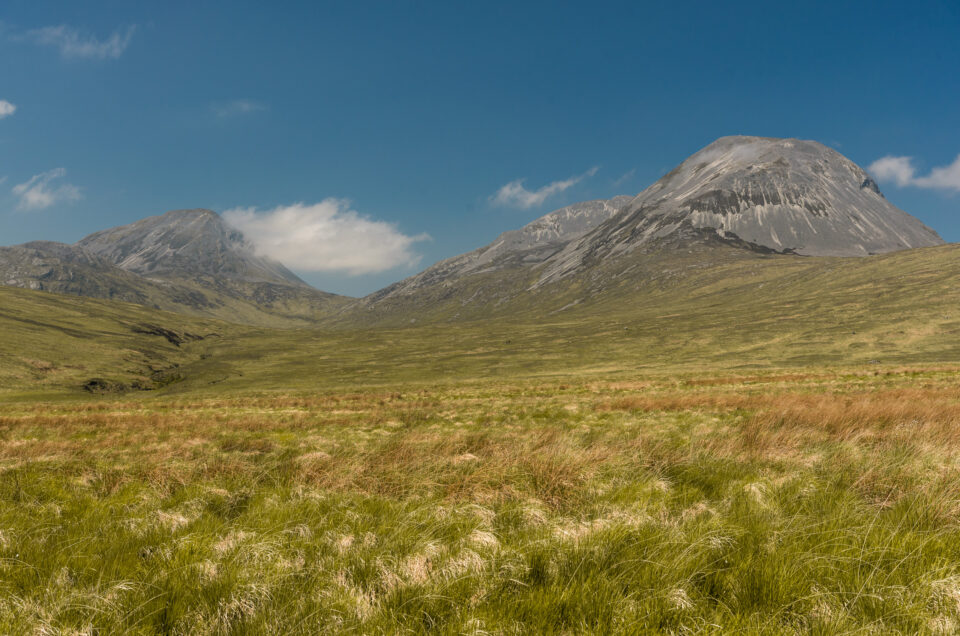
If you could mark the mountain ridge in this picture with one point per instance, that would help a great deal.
(761, 195)
(530, 244)
(186, 242)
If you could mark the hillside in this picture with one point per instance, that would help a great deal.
(759, 196)
(746, 310)
(56, 343)
(187, 261)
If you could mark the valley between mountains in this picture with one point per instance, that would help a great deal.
(752, 252)
(727, 404)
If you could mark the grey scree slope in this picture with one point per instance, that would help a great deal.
(788, 195)
(785, 195)
(529, 246)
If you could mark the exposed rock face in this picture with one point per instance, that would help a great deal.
(787, 195)
(186, 243)
(759, 194)
(531, 245)
(61, 268)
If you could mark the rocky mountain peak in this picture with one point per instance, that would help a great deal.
(186, 243)
(527, 246)
(785, 195)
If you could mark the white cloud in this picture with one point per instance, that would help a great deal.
(38, 194)
(944, 177)
(6, 108)
(76, 44)
(326, 237)
(900, 170)
(896, 169)
(237, 107)
(514, 194)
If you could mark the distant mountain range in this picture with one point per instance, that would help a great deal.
(738, 198)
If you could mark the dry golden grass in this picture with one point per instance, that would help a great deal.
(797, 502)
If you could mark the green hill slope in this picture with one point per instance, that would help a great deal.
(656, 312)
(55, 343)
(676, 311)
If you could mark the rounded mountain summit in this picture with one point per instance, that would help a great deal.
(789, 196)
(784, 194)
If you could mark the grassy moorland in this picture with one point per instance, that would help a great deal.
(770, 445)
(804, 502)
(742, 312)
(52, 345)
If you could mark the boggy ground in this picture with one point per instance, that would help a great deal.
(813, 501)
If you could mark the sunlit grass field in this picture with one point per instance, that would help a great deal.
(812, 500)
(763, 446)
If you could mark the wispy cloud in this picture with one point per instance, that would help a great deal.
(515, 194)
(625, 177)
(38, 193)
(6, 108)
(237, 107)
(326, 237)
(900, 170)
(76, 44)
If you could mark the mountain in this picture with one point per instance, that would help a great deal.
(738, 198)
(187, 244)
(529, 246)
(187, 261)
(786, 195)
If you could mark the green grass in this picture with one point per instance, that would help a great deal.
(748, 312)
(742, 311)
(597, 507)
(767, 445)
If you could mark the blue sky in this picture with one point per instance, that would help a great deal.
(386, 129)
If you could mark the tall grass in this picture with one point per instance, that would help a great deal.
(795, 503)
